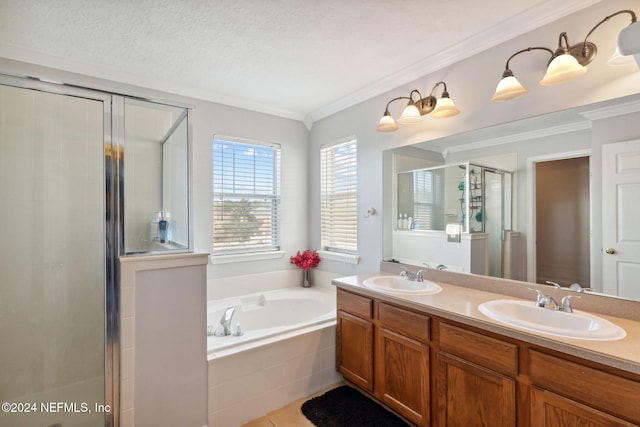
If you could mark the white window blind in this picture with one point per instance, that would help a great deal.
(246, 196)
(339, 217)
(427, 199)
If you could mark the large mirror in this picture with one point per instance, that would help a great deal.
(572, 214)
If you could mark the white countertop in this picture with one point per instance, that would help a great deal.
(460, 304)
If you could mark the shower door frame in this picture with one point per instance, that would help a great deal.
(114, 225)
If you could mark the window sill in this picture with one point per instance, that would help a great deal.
(337, 256)
(227, 259)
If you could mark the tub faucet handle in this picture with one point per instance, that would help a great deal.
(238, 332)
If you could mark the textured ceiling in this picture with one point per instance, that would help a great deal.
(302, 59)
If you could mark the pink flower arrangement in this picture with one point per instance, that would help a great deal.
(306, 260)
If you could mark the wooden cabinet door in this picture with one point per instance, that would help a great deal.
(402, 376)
(354, 349)
(550, 410)
(472, 396)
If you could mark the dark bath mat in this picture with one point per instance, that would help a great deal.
(346, 407)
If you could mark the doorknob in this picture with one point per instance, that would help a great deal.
(610, 251)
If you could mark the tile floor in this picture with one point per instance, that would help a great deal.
(288, 416)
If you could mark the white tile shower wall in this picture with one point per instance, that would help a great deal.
(233, 286)
(249, 384)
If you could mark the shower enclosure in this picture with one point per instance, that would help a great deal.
(62, 229)
(474, 197)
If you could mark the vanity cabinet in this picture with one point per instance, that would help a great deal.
(551, 410)
(435, 371)
(564, 390)
(384, 350)
(402, 362)
(354, 347)
(476, 379)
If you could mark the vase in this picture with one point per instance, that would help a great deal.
(306, 278)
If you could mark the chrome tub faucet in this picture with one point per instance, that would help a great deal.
(224, 327)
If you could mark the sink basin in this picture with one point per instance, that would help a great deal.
(400, 285)
(526, 315)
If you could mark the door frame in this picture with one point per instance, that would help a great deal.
(531, 206)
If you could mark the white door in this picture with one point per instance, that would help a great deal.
(620, 220)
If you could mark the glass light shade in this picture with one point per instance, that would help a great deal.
(563, 67)
(508, 88)
(444, 108)
(411, 114)
(629, 39)
(386, 124)
(619, 59)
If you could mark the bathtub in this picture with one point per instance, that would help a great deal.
(286, 352)
(267, 317)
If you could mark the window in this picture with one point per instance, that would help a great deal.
(338, 177)
(246, 196)
(428, 187)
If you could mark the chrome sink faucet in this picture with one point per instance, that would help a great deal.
(409, 275)
(545, 301)
(548, 302)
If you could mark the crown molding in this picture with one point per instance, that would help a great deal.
(535, 17)
(523, 136)
(612, 111)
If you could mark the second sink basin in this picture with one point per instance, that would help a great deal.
(400, 285)
(526, 315)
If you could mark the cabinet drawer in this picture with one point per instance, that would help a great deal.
(485, 351)
(355, 304)
(602, 390)
(408, 323)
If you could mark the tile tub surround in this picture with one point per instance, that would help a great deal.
(234, 286)
(462, 293)
(247, 385)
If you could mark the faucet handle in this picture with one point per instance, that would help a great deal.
(540, 298)
(565, 303)
(409, 275)
(554, 284)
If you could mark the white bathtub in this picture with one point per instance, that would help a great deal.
(287, 352)
(267, 317)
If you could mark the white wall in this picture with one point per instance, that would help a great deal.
(471, 84)
(209, 119)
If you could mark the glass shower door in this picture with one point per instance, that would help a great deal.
(52, 259)
(492, 216)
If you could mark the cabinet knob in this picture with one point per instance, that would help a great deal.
(610, 251)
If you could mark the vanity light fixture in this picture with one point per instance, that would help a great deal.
(415, 109)
(567, 61)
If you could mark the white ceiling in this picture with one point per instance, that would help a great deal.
(301, 59)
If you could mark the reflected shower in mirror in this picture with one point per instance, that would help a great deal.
(472, 198)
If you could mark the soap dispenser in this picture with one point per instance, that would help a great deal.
(163, 226)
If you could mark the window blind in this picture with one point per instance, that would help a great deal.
(339, 217)
(427, 199)
(246, 196)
